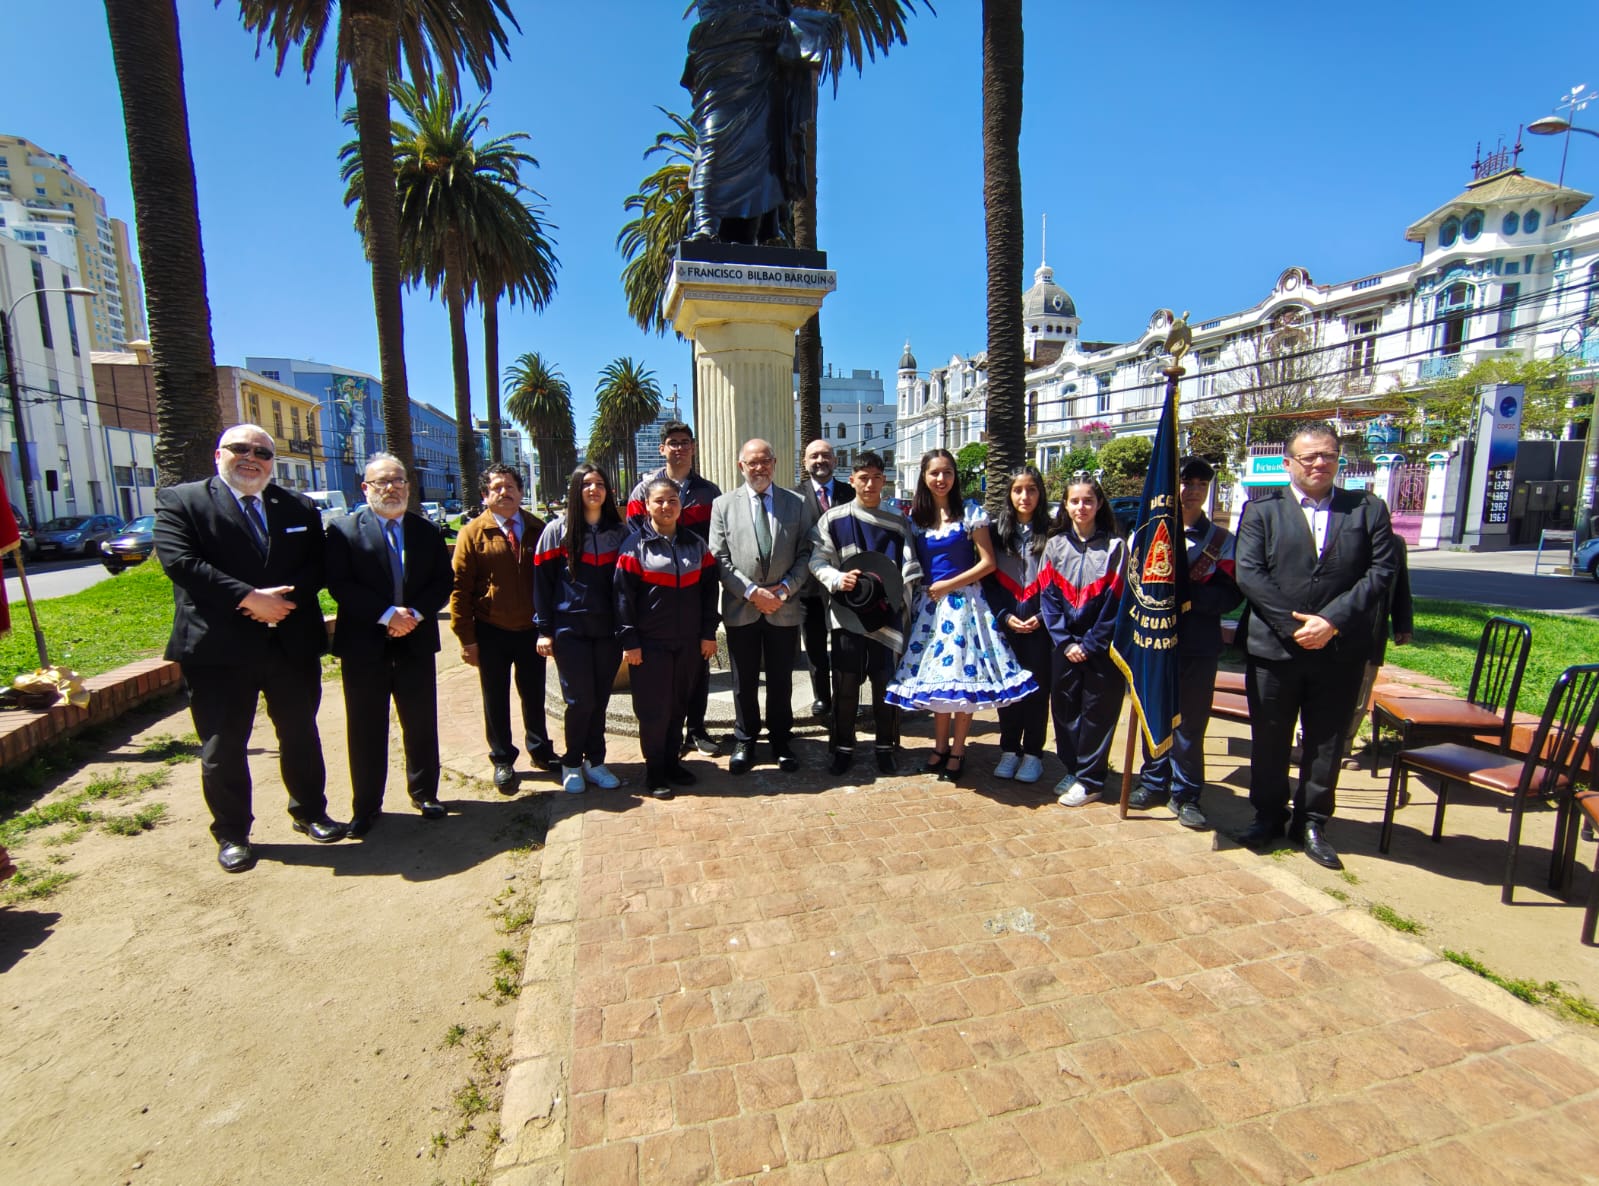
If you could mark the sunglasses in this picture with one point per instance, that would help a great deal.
(241, 450)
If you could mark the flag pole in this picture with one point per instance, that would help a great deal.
(33, 614)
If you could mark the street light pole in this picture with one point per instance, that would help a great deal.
(19, 423)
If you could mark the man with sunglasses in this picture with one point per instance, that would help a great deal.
(246, 560)
(1315, 562)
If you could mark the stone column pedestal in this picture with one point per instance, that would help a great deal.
(741, 307)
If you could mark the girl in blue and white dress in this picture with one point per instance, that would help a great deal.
(956, 661)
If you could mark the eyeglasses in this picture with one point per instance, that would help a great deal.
(766, 462)
(680, 443)
(385, 483)
(239, 449)
(1314, 458)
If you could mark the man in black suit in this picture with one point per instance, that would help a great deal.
(246, 560)
(821, 491)
(1315, 562)
(389, 570)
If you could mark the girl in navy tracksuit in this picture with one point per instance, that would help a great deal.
(574, 612)
(1014, 592)
(1086, 564)
(666, 596)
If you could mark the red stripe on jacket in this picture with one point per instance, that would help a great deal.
(1077, 598)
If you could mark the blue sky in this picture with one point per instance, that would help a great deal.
(1184, 153)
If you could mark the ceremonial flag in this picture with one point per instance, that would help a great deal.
(1156, 591)
(10, 541)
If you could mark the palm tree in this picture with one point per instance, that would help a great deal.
(459, 206)
(628, 398)
(1002, 205)
(373, 38)
(540, 400)
(865, 29)
(527, 276)
(665, 207)
(149, 64)
(602, 449)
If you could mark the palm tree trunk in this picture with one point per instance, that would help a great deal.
(491, 369)
(1002, 205)
(373, 25)
(808, 345)
(455, 302)
(149, 65)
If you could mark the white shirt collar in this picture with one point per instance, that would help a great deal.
(1300, 496)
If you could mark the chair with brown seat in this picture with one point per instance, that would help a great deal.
(1560, 756)
(1588, 804)
(1490, 702)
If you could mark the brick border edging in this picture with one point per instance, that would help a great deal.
(23, 732)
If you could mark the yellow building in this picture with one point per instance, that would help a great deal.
(291, 416)
(53, 193)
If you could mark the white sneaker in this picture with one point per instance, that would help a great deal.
(572, 780)
(1031, 769)
(1076, 795)
(600, 776)
(1007, 765)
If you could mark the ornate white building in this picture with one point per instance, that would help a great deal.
(1508, 267)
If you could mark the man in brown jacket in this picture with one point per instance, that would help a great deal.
(491, 612)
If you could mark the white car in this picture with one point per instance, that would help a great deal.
(434, 513)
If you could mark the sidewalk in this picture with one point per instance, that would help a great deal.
(776, 979)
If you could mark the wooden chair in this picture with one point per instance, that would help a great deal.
(1560, 756)
(1490, 703)
(1588, 804)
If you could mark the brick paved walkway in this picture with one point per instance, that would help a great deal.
(913, 983)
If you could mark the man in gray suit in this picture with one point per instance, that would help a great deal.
(761, 538)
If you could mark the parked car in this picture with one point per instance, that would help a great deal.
(75, 534)
(452, 506)
(1126, 507)
(132, 546)
(1588, 559)
(434, 513)
(25, 530)
(329, 503)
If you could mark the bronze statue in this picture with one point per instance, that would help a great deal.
(750, 68)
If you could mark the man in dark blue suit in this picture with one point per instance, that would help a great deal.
(389, 570)
(1315, 562)
(246, 560)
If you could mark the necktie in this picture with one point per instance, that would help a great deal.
(258, 531)
(821, 498)
(763, 529)
(510, 534)
(391, 529)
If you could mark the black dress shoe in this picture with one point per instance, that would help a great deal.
(681, 775)
(701, 740)
(954, 766)
(886, 763)
(786, 761)
(505, 778)
(236, 857)
(820, 708)
(743, 758)
(323, 831)
(1318, 850)
(840, 762)
(545, 757)
(360, 826)
(1259, 835)
(430, 808)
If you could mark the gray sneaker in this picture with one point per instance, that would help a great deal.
(1189, 815)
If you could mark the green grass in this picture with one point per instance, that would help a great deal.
(97, 630)
(140, 821)
(75, 811)
(1534, 992)
(172, 750)
(1447, 633)
(32, 883)
(1390, 917)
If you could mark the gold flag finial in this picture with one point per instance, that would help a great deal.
(1180, 340)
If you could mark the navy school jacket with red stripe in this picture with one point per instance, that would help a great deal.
(666, 590)
(1212, 589)
(1016, 585)
(696, 493)
(576, 597)
(1082, 589)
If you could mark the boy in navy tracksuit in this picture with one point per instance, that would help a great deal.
(1178, 776)
(666, 597)
(574, 613)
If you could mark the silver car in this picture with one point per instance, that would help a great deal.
(75, 535)
(434, 513)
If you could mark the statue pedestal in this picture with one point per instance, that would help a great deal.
(741, 307)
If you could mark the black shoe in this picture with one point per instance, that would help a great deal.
(954, 765)
(886, 763)
(323, 831)
(505, 778)
(545, 757)
(743, 758)
(821, 708)
(1143, 798)
(1189, 815)
(786, 761)
(936, 760)
(701, 740)
(681, 775)
(360, 825)
(840, 762)
(1318, 850)
(236, 857)
(1259, 835)
(430, 808)
(658, 785)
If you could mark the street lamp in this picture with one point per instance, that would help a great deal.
(1571, 102)
(18, 422)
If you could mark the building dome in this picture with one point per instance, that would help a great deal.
(1046, 298)
(907, 361)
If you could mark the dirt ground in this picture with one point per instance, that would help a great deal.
(167, 1023)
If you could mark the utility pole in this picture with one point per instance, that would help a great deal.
(19, 423)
